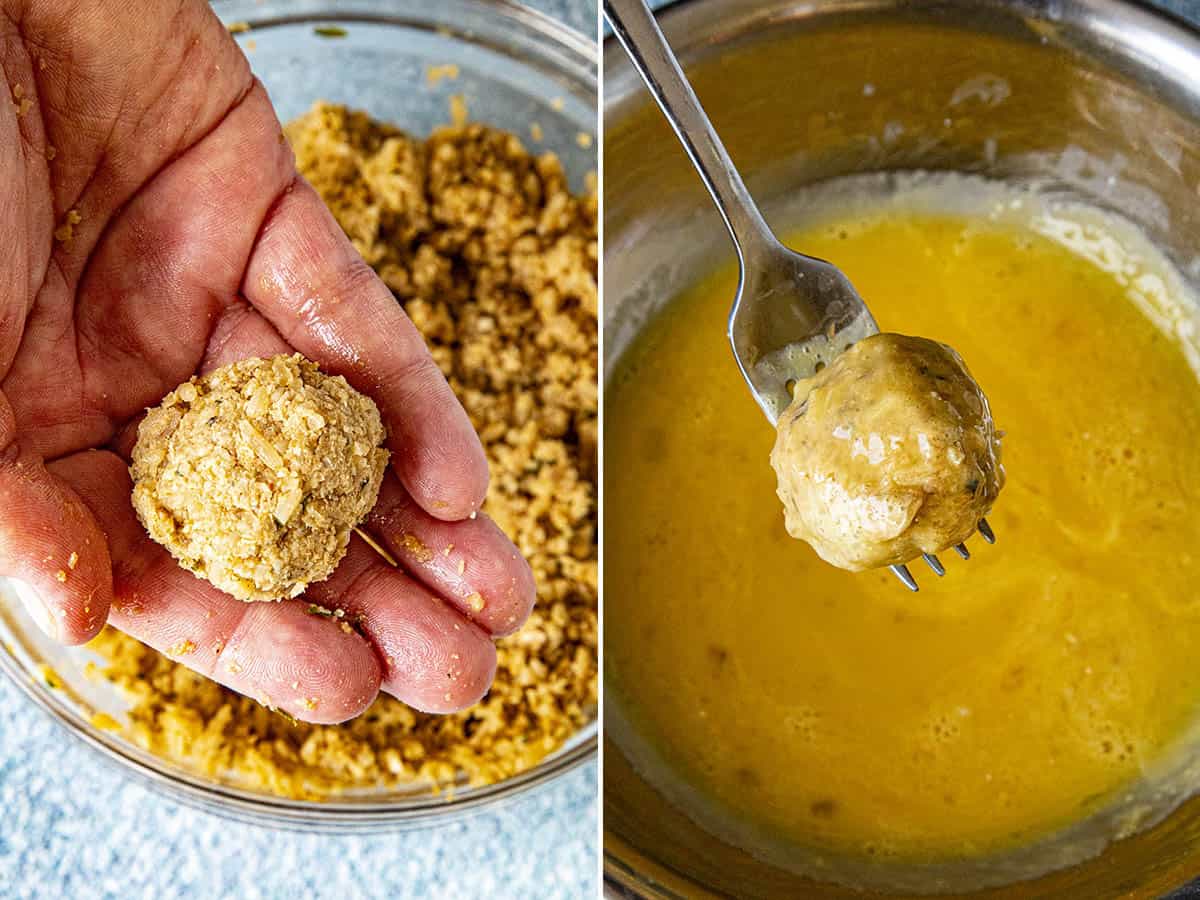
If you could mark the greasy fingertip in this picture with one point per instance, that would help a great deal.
(305, 665)
(471, 563)
(447, 667)
(55, 550)
(447, 477)
(432, 658)
(516, 602)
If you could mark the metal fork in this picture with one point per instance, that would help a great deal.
(792, 314)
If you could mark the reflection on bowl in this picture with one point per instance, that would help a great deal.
(512, 67)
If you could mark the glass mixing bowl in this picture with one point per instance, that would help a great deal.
(515, 67)
(1098, 99)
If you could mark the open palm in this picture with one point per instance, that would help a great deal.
(152, 226)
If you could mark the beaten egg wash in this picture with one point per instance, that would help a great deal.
(805, 705)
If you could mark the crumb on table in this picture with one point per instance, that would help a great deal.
(435, 74)
(458, 110)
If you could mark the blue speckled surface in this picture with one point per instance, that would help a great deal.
(73, 827)
(1189, 9)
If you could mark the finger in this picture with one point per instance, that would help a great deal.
(239, 333)
(433, 659)
(472, 563)
(50, 542)
(306, 278)
(275, 652)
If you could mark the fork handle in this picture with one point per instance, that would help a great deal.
(635, 27)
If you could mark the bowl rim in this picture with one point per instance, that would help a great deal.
(249, 806)
(333, 816)
(628, 870)
(587, 52)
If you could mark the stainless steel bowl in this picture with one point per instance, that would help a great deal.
(1098, 99)
(515, 67)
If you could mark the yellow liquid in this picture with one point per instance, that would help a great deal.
(1009, 699)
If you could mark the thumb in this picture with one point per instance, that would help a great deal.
(51, 543)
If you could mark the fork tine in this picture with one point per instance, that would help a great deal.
(961, 550)
(934, 563)
(985, 531)
(901, 571)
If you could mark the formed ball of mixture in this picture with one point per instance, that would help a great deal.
(887, 453)
(254, 475)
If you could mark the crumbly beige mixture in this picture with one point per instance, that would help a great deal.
(888, 453)
(254, 475)
(495, 261)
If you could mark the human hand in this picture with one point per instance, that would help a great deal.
(154, 227)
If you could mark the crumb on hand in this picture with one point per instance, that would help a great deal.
(65, 232)
(22, 103)
(415, 548)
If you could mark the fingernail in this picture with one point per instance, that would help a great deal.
(38, 611)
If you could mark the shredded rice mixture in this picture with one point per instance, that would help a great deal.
(495, 261)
